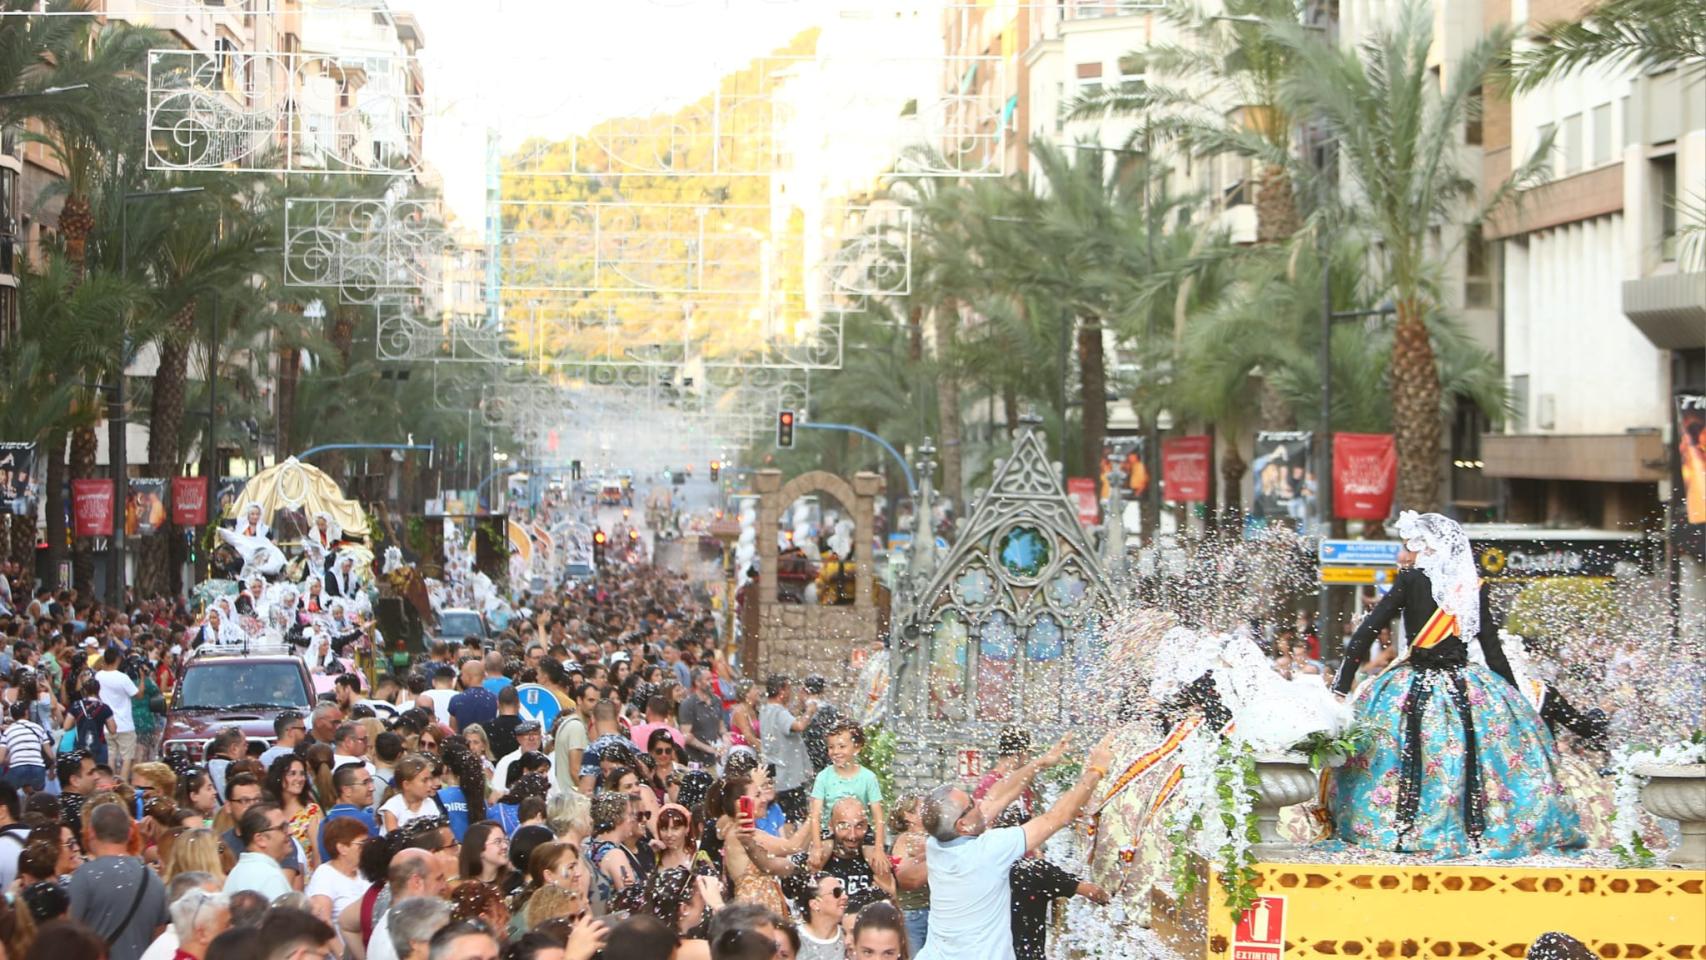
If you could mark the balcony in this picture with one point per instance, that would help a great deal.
(1669, 309)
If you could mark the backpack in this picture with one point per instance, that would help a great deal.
(89, 728)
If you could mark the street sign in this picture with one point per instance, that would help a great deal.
(538, 704)
(1358, 576)
(1380, 553)
(1260, 933)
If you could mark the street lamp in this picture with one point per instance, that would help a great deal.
(117, 422)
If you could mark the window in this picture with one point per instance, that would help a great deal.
(8, 313)
(1544, 134)
(1664, 190)
(1472, 128)
(1477, 277)
(1601, 135)
(1519, 403)
(1572, 144)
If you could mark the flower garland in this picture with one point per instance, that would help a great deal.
(1626, 791)
(1214, 819)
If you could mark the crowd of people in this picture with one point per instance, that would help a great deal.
(667, 806)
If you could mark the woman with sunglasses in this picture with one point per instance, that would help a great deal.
(287, 786)
(664, 777)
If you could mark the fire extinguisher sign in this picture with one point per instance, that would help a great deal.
(1260, 934)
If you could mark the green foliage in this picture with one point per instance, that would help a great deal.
(1324, 748)
(1565, 606)
(878, 757)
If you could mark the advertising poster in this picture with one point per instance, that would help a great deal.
(1282, 476)
(17, 473)
(189, 501)
(1689, 533)
(1185, 466)
(1127, 452)
(225, 499)
(1365, 475)
(145, 509)
(92, 508)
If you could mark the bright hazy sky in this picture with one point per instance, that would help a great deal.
(552, 67)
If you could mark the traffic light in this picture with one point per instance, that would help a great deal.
(599, 539)
(785, 429)
(716, 465)
(574, 470)
(633, 536)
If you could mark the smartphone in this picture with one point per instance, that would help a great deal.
(743, 808)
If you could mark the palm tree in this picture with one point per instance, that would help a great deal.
(1229, 58)
(1399, 130)
(1636, 34)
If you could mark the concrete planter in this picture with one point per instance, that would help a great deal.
(1283, 780)
(1678, 792)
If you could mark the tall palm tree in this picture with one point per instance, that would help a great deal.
(88, 122)
(1399, 131)
(1230, 57)
(195, 245)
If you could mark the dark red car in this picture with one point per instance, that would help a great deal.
(223, 688)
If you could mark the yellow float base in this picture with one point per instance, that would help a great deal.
(1358, 910)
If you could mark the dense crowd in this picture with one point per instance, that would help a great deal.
(668, 807)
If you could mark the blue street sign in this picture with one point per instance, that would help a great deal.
(1382, 553)
(538, 704)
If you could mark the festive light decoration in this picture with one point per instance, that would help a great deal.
(363, 248)
(282, 112)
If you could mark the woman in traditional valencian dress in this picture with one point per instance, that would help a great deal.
(1460, 764)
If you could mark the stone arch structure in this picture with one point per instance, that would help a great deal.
(801, 639)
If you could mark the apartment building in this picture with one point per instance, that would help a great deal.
(1600, 323)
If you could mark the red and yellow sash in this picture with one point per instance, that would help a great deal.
(1438, 627)
(1148, 760)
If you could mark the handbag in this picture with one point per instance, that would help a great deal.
(67, 741)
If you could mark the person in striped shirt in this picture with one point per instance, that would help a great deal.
(26, 750)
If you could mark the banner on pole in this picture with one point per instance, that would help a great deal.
(145, 508)
(189, 501)
(92, 508)
(1185, 466)
(1688, 531)
(1365, 475)
(17, 477)
(1282, 476)
(1082, 490)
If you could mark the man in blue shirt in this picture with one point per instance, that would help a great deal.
(495, 679)
(354, 787)
(970, 896)
(475, 704)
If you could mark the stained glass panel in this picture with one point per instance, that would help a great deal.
(997, 643)
(948, 647)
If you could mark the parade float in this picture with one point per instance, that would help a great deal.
(1214, 831)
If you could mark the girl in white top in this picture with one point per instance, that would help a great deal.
(413, 794)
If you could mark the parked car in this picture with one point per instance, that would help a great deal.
(458, 623)
(581, 571)
(242, 687)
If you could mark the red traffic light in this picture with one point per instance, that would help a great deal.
(787, 416)
(599, 536)
(633, 534)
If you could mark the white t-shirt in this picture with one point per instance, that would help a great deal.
(811, 948)
(164, 947)
(399, 808)
(379, 945)
(327, 882)
(971, 902)
(116, 691)
(441, 704)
